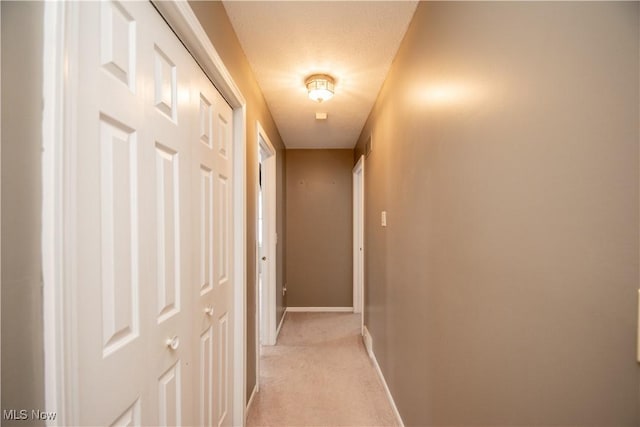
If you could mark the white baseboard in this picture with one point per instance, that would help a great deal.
(253, 394)
(368, 343)
(320, 309)
(280, 325)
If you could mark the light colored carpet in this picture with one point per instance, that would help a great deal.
(319, 374)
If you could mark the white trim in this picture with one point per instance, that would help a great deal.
(60, 58)
(267, 312)
(320, 309)
(265, 319)
(0, 199)
(251, 398)
(358, 240)
(50, 208)
(280, 324)
(368, 343)
(61, 35)
(638, 342)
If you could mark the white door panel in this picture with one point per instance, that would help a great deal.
(153, 249)
(211, 244)
(109, 269)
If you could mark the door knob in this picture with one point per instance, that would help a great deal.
(209, 311)
(173, 343)
(264, 258)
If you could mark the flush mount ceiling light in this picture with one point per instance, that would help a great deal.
(320, 87)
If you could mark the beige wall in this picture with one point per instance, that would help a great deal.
(319, 228)
(215, 21)
(505, 150)
(22, 327)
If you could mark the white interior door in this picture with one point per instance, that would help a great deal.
(211, 219)
(358, 238)
(152, 220)
(267, 253)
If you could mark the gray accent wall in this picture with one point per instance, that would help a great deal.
(22, 322)
(215, 21)
(503, 291)
(319, 228)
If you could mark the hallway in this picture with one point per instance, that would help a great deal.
(179, 178)
(319, 374)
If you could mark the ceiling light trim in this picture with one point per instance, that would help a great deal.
(321, 87)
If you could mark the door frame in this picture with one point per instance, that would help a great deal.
(60, 94)
(358, 240)
(266, 313)
(267, 152)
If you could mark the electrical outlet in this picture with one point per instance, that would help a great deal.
(284, 290)
(383, 218)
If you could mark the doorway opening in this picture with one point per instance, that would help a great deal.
(358, 240)
(266, 333)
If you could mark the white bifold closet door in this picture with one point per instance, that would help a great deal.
(153, 301)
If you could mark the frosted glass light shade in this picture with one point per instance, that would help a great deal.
(320, 87)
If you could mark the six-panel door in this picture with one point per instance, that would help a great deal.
(153, 216)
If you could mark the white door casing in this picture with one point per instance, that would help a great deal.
(267, 310)
(125, 152)
(358, 238)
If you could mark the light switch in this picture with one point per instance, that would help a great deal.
(383, 218)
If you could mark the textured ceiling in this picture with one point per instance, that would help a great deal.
(286, 41)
